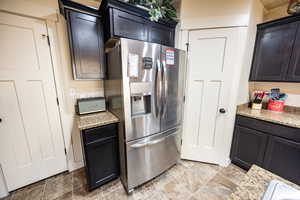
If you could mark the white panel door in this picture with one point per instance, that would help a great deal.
(209, 80)
(31, 141)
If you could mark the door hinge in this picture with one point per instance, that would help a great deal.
(48, 39)
(57, 101)
(187, 46)
(183, 99)
(181, 142)
(65, 151)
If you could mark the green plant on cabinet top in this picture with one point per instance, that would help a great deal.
(158, 9)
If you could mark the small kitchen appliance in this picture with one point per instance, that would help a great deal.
(90, 105)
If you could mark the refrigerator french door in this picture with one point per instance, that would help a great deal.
(173, 66)
(144, 88)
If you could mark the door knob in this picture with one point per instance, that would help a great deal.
(0, 120)
(222, 110)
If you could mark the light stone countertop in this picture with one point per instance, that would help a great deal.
(95, 120)
(289, 118)
(255, 183)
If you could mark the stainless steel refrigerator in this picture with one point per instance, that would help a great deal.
(145, 89)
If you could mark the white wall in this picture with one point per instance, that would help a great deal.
(72, 90)
(68, 90)
(256, 17)
(276, 13)
(45, 9)
(197, 14)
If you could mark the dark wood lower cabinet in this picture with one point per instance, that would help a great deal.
(283, 158)
(100, 147)
(249, 147)
(271, 146)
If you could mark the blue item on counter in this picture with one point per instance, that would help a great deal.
(275, 95)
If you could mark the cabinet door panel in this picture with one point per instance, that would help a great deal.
(129, 26)
(283, 158)
(273, 51)
(87, 45)
(248, 147)
(294, 67)
(102, 162)
(161, 34)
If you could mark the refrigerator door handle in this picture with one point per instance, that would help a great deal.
(157, 141)
(158, 90)
(139, 145)
(153, 142)
(165, 90)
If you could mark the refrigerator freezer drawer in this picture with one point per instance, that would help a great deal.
(149, 157)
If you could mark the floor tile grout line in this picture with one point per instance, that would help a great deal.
(72, 192)
(172, 175)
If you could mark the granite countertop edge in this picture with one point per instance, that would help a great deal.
(270, 120)
(255, 183)
(291, 119)
(95, 120)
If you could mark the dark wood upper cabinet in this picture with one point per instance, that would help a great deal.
(86, 45)
(123, 20)
(293, 74)
(283, 158)
(161, 34)
(128, 25)
(277, 51)
(273, 52)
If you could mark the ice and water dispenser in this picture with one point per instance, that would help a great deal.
(140, 104)
(141, 84)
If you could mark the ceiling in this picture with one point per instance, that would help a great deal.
(270, 4)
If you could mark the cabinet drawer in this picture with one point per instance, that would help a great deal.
(270, 128)
(129, 26)
(99, 133)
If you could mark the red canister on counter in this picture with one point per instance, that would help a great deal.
(276, 105)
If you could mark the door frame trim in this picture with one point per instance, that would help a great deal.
(67, 120)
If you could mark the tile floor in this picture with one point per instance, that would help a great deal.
(186, 181)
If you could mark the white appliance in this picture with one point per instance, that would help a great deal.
(278, 190)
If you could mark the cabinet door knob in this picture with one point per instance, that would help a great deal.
(222, 110)
(0, 120)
